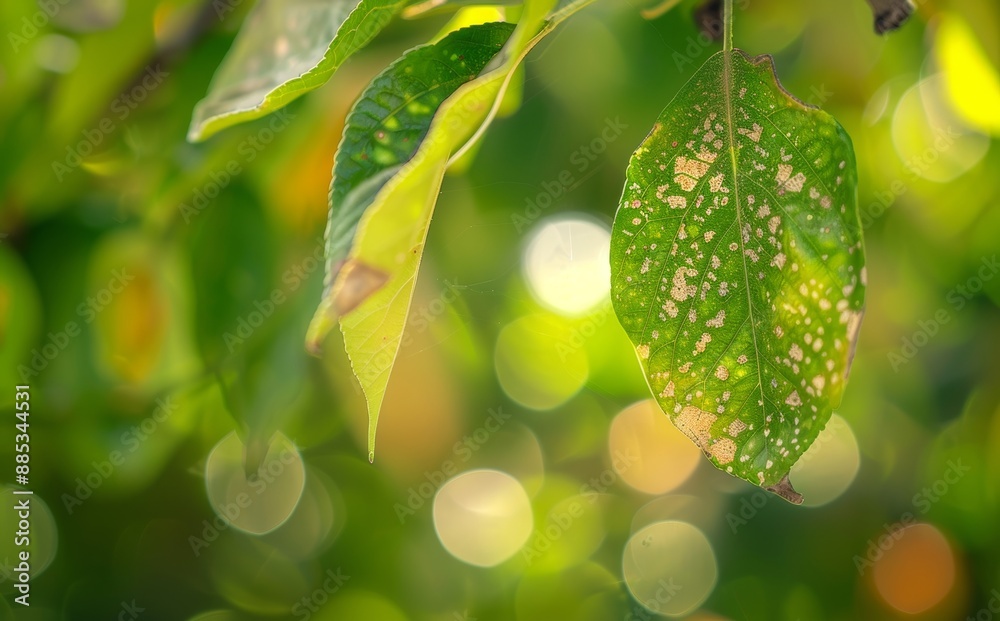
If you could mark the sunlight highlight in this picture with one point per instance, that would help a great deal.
(829, 466)
(670, 567)
(566, 264)
(482, 517)
(648, 452)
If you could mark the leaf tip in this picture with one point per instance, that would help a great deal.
(784, 489)
(319, 328)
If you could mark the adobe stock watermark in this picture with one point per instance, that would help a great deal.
(944, 140)
(87, 310)
(218, 180)
(621, 461)
(562, 518)
(131, 439)
(922, 502)
(292, 279)
(462, 451)
(582, 331)
(269, 474)
(418, 321)
(581, 161)
(129, 611)
(225, 7)
(990, 611)
(750, 507)
(36, 23)
(121, 108)
(333, 580)
(957, 298)
(652, 607)
(559, 521)
(709, 33)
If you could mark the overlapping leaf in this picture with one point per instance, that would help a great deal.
(371, 290)
(392, 116)
(285, 49)
(738, 267)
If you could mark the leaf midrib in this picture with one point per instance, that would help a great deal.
(727, 89)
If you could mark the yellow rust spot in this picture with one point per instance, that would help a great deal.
(692, 167)
(677, 202)
(723, 451)
(696, 424)
(668, 390)
(736, 427)
(687, 183)
(643, 351)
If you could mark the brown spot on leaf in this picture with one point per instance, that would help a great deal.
(358, 282)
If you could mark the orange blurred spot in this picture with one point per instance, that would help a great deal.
(917, 572)
(648, 452)
(135, 324)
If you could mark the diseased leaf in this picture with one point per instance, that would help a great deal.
(285, 49)
(390, 237)
(738, 267)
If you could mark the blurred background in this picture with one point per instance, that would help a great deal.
(522, 473)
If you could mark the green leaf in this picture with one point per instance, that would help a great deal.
(737, 267)
(285, 49)
(392, 116)
(423, 8)
(371, 290)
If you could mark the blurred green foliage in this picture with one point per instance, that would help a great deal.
(156, 294)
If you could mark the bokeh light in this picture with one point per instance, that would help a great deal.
(482, 517)
(569, 527)
(972, 83)
(586, 592)
(359, 605)
(255, 577)
(917, 571)
(566, 264)
(829, 466)
(43, 535)
(261, 502)
(310, 529)
(648, 452)
(929, 139)
(670, 567)
(538, 362)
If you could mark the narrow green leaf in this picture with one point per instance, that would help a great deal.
(738, 267)
(392, 116)
(370, 292)
(285, 49)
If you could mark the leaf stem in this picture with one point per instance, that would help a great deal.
(727, 21)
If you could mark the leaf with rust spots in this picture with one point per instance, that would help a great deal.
(411, 124)
(737, 267)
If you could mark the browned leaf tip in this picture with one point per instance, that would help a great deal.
(784, 489)
(890, 14)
